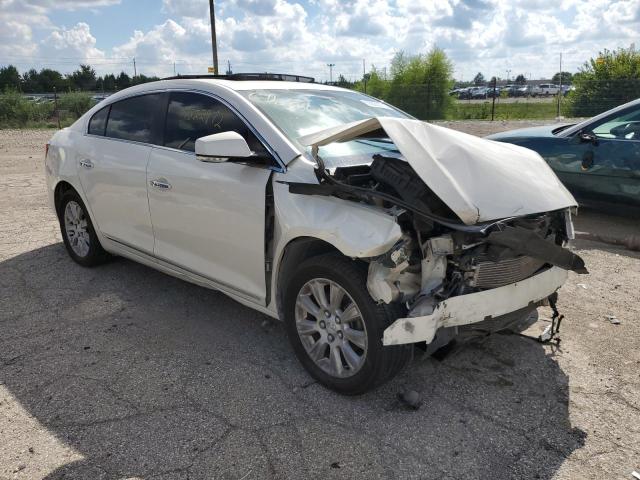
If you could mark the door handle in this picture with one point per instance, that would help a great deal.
(86, 163)
(160, 183)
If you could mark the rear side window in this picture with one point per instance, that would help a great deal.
(98, 122)
(191, 116)
(135, 119)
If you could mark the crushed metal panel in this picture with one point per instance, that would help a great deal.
(480, 180)
(475, 307)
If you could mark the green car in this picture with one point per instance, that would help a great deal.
(598, 160)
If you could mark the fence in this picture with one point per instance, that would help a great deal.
(422, 101)
(585, 99)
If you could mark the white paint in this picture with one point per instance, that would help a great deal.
(475, 307)
(479, 179)
(224, 144)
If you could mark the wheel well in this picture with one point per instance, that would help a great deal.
(61, 188)
(296, 252)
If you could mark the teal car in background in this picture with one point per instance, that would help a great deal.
(598, 160)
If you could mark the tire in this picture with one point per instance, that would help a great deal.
(78, 234)
(376, 363)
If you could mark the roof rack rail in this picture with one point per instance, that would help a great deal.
(282, 77)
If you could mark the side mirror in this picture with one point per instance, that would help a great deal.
(587, 137)
(220, 147)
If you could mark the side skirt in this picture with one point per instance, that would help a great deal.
(118, 248)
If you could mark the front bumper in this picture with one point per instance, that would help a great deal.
(475, 307)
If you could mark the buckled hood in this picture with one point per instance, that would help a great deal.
(479, 179)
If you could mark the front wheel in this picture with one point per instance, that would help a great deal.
(336, 328)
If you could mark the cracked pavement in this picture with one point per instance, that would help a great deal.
(124, 372)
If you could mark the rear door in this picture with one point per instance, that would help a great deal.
(209, 218)
(113, 170)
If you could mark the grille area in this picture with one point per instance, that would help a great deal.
(490, 274)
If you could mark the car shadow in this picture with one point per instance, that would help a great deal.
(151, 377)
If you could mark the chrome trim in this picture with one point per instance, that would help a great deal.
(269, 148)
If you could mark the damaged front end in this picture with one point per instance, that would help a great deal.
(446, 272)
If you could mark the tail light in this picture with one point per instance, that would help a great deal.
(46, 150)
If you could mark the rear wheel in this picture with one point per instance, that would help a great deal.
(336, 328)
(78, 234)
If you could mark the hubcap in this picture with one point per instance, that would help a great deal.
(75, 227)
(331, 328)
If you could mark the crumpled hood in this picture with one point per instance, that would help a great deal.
(480, 180)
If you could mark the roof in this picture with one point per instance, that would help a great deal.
(282, 77)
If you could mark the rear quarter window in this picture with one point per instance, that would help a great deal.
(136, 119)
(98, 122)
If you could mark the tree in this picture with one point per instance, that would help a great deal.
(479, 79)
(109, 83)
(566, 78)
(609, 80)
(521, 80)
(83, 79)
(9, 78)
(50, 79)
(123, 81)
(31, 81)
(421, 83)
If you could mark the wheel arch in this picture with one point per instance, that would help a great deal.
(60, 189)
(295, 252)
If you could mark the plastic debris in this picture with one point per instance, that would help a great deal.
(582, 285)
(411, 399)
(635, 474)
(613, 319)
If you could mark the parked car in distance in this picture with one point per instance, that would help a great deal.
(510, 89)
(479, 93)
(546, 89)
(598, 160)
(525, 91)
(365, 230)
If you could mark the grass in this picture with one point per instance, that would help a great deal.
(18, 112)
(503, 111)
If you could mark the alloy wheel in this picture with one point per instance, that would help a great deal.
(76, 228)
(331, 328)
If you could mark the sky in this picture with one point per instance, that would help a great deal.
(495, 37)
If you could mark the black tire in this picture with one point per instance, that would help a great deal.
(96, 255)
(381, 363)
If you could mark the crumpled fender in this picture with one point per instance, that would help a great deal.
(356, 230)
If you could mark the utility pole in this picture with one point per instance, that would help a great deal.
(174, 69)
(493, 101)
(135, 72)
(214, 43)
(560, 89)
(508, 75)
(331, 65)
(364, 78)
(229, 72)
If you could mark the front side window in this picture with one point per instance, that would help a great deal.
(622, 126)
(98, 122)
(191, 116)
(135, 118)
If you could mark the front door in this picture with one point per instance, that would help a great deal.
(208, 218)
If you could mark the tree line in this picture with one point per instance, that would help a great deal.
(418, 84)
(84, 79)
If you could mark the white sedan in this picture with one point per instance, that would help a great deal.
(366, 231)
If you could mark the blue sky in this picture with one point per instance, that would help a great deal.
(491, 36)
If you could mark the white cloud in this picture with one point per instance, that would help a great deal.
(283, 35)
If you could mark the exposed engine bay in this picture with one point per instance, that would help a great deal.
(439, 257)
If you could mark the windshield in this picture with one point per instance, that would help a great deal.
(301, 112)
